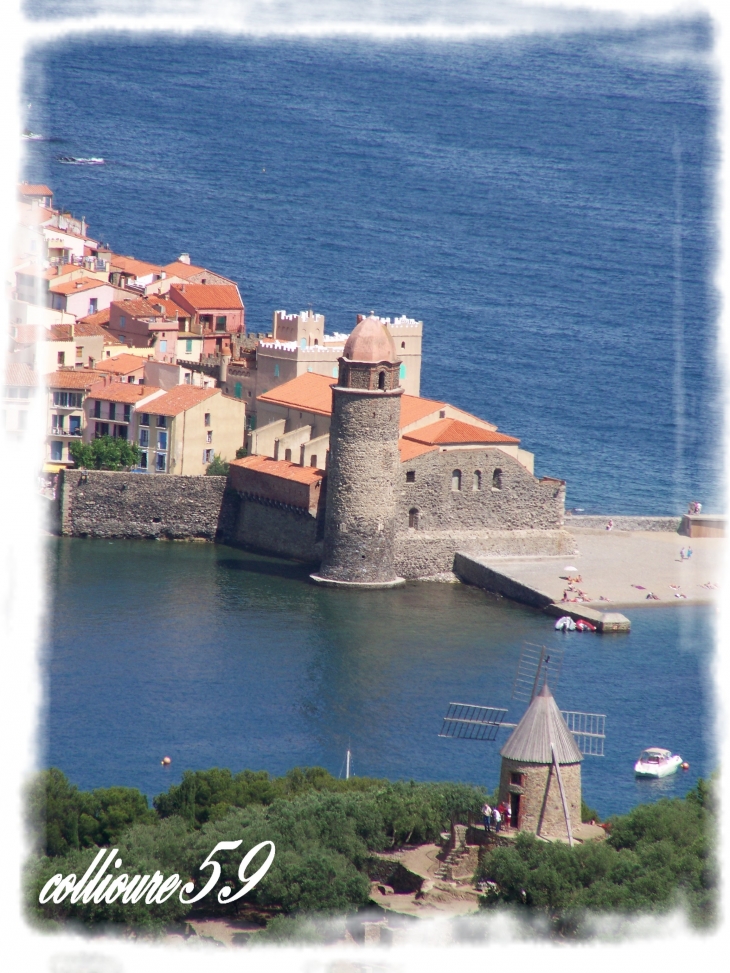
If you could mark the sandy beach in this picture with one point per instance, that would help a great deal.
(623, 567)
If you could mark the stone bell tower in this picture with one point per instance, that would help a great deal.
(359, 534)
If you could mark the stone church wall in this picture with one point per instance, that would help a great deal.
(522, 503)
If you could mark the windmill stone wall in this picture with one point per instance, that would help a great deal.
(541, 809)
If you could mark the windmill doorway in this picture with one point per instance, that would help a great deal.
(514, 806)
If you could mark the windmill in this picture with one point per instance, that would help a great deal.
(545, 748)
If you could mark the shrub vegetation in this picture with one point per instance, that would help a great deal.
(325, 829)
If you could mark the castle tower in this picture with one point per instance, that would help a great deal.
(359, 533)
(540, 774)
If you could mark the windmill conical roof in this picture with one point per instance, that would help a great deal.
(370, 341)
(542, 725)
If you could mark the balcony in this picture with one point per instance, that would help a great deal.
(75, 433)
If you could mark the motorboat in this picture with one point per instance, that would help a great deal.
(32, 136)
(656, 762)
(71, 160)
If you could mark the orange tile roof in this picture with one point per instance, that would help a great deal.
(210, 297)
(121, 392)
(34, 189)
(88, 329)
(60, 332)
(281, 468)
(18, 373)
(450, 432)
(409, 450)
(96, 321)
(413, 408)
(77, 286)
(308, 392)
(178, 268)
(312, 393)
(131, 265)
(170, 308)
(139, 307)
(180, 399)
(73, 378)
(121, 364)
(28, 334)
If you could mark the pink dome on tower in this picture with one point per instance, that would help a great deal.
(370, 341)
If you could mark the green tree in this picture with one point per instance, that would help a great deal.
(241, 452)
(218, 466)
(104, 453)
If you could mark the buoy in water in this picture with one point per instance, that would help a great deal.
(685, 766)
(165, 761)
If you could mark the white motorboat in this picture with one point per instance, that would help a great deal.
(655, 762)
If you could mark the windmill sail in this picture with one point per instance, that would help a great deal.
(589, 730)
(465, 721)
(536, 665)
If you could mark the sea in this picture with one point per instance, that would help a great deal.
(546, 205)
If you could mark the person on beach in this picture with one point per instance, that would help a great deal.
(487, 813)
(682, 554)
(609, 525)
(689, 553)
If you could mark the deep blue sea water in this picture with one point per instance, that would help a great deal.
(217, 657)
(544, 204)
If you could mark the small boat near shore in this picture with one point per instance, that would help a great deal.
(29, 136)
(656, 762)
(72, 160)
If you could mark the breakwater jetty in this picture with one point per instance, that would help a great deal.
(638, 562)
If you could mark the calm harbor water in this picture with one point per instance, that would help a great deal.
(218, 657)
(543, 204)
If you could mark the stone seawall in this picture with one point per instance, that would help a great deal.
(284, 531)
(420, 554)
(581, 522)
(95, 503)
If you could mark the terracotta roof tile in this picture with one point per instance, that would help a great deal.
(73, 378)
(210, 297)
(121, 364)
(450, 432)
(121, 392)
(77, 286)
(308, 392)
(28, 334)
(178, 268)
(180, 399)
(140, 307)
(413, 408)
(60, 332)
(34, 189)
(18, 373)
(130, 265)
(97, 320)
(281, 468)
(409, 450)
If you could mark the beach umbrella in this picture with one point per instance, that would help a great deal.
(570, 567)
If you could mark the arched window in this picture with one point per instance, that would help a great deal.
(497, 480)
(316, 341)
(477, 485)
(287, 455)
(456, 480)
(381, 380)
(413, 518)
(402, 344)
